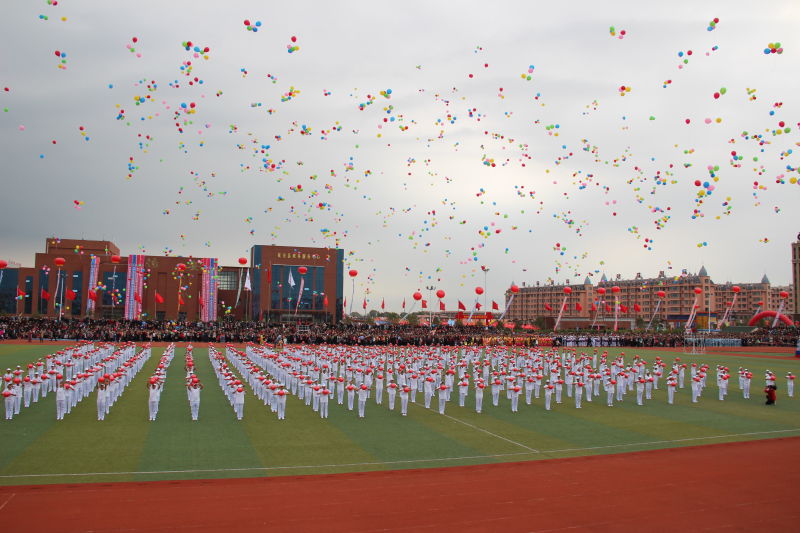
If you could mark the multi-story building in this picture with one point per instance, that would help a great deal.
(796, 276)
(664, 300)
(79, 278)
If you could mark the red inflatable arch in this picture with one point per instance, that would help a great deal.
(770, 314)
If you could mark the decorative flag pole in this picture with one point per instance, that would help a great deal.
(615, 290)
(567, 292)
(181, 268)
(514, 290)
(115, 259)
(242, 262)
(59, 261)
(302, 271)
(661, 295)
(601, 291)
(736, 290)
(784, 296)
(417, 296)
(697, 291)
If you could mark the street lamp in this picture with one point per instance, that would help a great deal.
(430, 309)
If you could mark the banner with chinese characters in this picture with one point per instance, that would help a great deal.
(94, 272)
(133, 287)
(208, 290)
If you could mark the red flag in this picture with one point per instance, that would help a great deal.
(565, 307)
(269, 275)
(637, 307)
(548, 307)
(608, 308)
(21, 293)
(424, 304)
(594, 307)
(325, 301)
(478, 306)
(623, 308)
(180, 300)
(578, 306)
(461, 306)
(92, 295)
(404, 303)
(488, 315)
(137, 297)
(344, 304)
(383, 303)
(159, 298)
(45, 295)
(460, 315)
(495, 307)
(441, 305)
(69, 295)
(364, 305)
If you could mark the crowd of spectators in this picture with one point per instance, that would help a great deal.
(41, 329)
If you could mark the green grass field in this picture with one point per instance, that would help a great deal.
(126, 447)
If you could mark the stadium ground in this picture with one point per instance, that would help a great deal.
(126, 447)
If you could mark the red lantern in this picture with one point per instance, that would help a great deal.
(115, 259)
(417, 296)
(302, 270)
(3, 263)
(567, 290)
(601, 291)
(615, 289)
(514, 289)
(440, 294)
(242, 261)
(736, 289)
(181, 267)
(784, 294)
(478, 290)
(698, 290)
(59, 261)
(661, 294)
(353, 273)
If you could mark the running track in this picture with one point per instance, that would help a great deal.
(745, 486)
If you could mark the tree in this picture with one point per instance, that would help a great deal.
(413, 319)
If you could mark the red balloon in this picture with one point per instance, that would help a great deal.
(302, 270)
(737, 289)
(353, 273)
(698, 290)
(440, 294)
(3, 263)
(115, 259)
(242, 261)
(784, 294)
(514, 289)
(601, 291)
(59, 261)
(661, 294)
(615, 289)
(567, 290)
(181, 267)
(417, 296)
(478, 290)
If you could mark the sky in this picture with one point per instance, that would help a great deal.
(426, 139)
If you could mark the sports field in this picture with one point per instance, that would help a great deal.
(126, 447)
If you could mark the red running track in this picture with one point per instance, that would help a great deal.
(746, 486)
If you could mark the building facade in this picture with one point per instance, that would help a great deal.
(796, 277)
(637, 302)
(86, 278)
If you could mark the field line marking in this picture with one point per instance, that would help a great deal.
(403, 461)
(484, 431)
(8, 500)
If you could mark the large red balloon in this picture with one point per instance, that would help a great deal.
(784, 294)
(440, 294)
(353, 273)
(59, 261)
(661, 294)
(514, 289)
(242, 261)
(698, 290)
(417, 296)
(115, 259)
(737, 289)
(601, 291)
(567, 290)
(3, 263)
(302, 270)
(181, 267)
(478, 290)
(615, 289)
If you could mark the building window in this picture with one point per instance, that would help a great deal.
(228, 280)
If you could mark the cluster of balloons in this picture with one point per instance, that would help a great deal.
(63, 56)
(292, 48)
(613, 33)
(773, 48)
(252, 27)
(131, 48)
(387, 93)
(713, 24)
(623, 90)
(719, 93)
(197, 50)
(291, 93)
(527, 75)
(685, 57)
